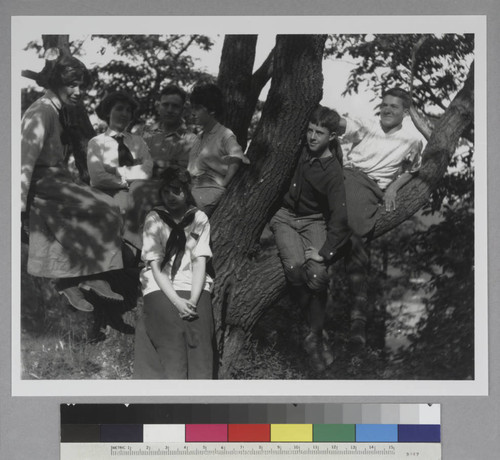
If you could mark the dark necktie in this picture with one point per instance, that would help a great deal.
(65, 124)
(176, 243)
(125, 157)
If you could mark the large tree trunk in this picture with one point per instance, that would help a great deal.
(248, 282)
(254, 196)
(241, 89)
(235, 81)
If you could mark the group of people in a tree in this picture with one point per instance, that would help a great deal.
(153, 192)
(330, 210)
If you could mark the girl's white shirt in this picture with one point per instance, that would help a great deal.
(155, 236)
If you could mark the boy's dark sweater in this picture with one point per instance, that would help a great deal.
(318, 188)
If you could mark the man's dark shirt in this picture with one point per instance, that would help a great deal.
(318, 188)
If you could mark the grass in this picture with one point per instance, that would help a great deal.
(58, 342)
(71, 354)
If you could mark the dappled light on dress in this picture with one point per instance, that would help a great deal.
(74, 230)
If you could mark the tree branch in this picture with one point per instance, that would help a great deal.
(262, 75)
(419, 121)
(442, 144)
(184, 48)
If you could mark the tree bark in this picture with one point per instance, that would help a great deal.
(436, 157)
(248, 282)
(235, 81)
(255, 194)
(240, 88)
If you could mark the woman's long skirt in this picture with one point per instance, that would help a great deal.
(74, 230)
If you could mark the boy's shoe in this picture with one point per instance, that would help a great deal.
(358, 333)
(76, 299)
(314, 348)
(327, 352)
(101, 288)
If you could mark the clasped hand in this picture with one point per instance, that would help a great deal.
(313, 254)
(186, 309)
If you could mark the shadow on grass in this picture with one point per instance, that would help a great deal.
(59, 342)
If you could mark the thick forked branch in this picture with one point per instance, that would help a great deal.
(262, 75)
(261, 283)
(436, 157)
(235, 81)
(240, 86)
(256, 192)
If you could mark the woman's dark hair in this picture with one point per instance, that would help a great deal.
(175, 176)
(209, 96)
(104, 108)
(63, 71)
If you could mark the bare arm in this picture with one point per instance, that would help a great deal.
(233, 168)
(392, 190)
(199, 268)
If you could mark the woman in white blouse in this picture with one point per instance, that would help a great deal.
(119, 161)
(116, 157)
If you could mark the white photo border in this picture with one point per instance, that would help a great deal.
(252, 25)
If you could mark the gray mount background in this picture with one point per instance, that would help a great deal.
(29, 426)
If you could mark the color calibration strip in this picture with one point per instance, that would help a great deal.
(102, 432)
(250, 423)
(259, 433)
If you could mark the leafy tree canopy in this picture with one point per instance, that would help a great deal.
(384, 60)
(141, 64)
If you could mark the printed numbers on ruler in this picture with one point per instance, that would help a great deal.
(299, 451)
(253, 450)
(250, 451)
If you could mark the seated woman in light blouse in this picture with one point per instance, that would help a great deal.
(216, 155)
(116, 157)
(119, 161)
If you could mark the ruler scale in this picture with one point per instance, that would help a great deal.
(396, 451)
(160, 431)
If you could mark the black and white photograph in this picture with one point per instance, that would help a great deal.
(204, 200)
